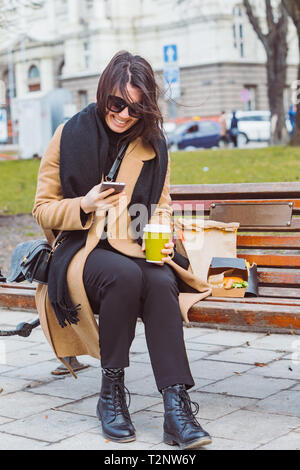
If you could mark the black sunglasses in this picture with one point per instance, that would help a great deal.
(117, 104)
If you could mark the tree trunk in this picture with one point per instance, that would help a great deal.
(295, 140)
(293, 9)
(276, 47)
(276, 77)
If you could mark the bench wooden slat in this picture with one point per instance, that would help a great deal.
(288, 261)
(256, 300)
(278, 277)
(286, 292)
(268, 241)
(238, 314)
(206, 203)
(282, 190)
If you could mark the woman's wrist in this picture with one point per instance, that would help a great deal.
(84, 207)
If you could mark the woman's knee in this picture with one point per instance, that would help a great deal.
(161, 278)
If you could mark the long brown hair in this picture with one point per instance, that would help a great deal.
(127, 68)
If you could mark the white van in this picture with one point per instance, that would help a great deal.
(253, 125)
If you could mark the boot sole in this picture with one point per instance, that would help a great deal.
(115, 439)
(171, 441)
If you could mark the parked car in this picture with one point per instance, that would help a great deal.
(195, 134)
(253, 126)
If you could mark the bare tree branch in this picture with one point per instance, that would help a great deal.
(255, 22)
(269, 16)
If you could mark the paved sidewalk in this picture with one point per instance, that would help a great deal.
(247, 386)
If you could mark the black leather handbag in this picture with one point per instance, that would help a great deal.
(30, 261)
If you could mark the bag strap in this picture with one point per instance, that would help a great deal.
(113, 171)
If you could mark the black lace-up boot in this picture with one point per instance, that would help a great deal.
(112, 408)
(180, 425)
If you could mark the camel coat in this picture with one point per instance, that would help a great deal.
(52, 212)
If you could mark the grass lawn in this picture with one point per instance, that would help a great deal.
(261, 165)
(18, 178)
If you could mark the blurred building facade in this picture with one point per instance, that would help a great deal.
(67, 43)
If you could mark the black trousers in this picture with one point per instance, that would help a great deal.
(120, 289)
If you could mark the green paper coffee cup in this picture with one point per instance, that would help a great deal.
(156, 236)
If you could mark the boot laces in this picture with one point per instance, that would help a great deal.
(187, 414)
(119, 400)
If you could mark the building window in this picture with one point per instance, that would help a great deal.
(34, 82)
(34, 72)
(108, 12)
(86, 54)
(238, 30)
(83, 98)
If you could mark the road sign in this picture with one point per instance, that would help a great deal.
(3, 125)
(171, 72)
(170, 54)
(245, 95)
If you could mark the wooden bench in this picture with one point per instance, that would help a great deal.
(269, 235)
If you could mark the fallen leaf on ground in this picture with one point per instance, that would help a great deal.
(260, 364)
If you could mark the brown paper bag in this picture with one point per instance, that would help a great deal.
(201, 240)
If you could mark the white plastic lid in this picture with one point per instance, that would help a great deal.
(159, 228)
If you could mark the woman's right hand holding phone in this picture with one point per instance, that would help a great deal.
(95, 200)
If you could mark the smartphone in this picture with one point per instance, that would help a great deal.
(118, 187)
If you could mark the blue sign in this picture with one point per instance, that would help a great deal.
(171, 75)
(3, 125)
(170, 54)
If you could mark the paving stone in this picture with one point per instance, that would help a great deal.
(282, 342)
(206, 368)
(95, 441)
(283, 368)
(10, 385)
(219, 443)
(214, 406)
(27, 356)
(9, 344)
(4, 420)
(34, 371)
(249, 385)
(194, 355)
(71, 388)
(290, 441)
(13, 317)
(20, 404)
(145, 386)
(139, 345)
(137, 370)
(87, 406)
(149, 426)
(192, 345)
(194, 332)
(285, 402)
(50, 426)
(246, 355)
(251, 426)
(227, 338)
(4, 369)
(9, 442)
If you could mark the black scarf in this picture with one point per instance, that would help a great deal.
(84, 150)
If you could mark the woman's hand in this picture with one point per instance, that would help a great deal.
(167, 250)
(96, 201)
